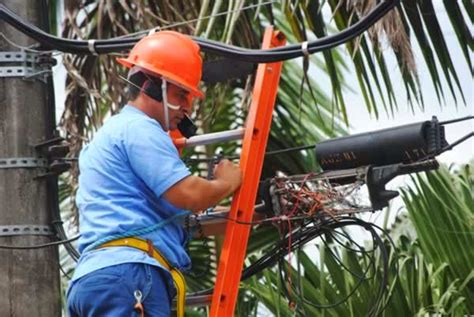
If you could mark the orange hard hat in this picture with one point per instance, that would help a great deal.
(171, 55)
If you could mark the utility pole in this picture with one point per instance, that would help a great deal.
(29, 278)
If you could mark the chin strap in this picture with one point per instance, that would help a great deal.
(165, 104)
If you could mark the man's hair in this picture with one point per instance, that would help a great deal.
(137, 84)
(136, 81)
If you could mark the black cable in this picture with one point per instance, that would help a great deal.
(457, 142)
(312, 146)
(38, 246)
(300, 237)
(208, 46)
(345, 298)
(292, 149)
(392, 243)
(339, 261)
(191, 160)
(236, 157)
(293, 51)
(71, 250)
(385, 262)
(374, 310)
(65, 274)
(361, 248)
(232, 157)
(306, 234)
(205, 245)
(456, 120)
(257, 222)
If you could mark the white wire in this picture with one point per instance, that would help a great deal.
(29, 48)
(152, 30)
(197, 19)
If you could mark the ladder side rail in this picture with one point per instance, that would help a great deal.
(254, 145)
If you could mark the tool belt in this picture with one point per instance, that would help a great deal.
(147, 247)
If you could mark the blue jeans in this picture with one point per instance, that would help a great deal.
(109, 291)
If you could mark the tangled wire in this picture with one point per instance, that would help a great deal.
(311, 195)
(305, 208)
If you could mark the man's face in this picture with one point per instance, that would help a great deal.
(178, 97)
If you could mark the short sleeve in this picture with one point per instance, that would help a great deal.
(153, 156)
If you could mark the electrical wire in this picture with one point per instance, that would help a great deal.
(52, 184)
(191, 160)
(65, 274)
(71, 250)
(208, 46)
(38, 246)
(456, 120)
(305, 234)
(455, 143)
(379, 244)
(205, 245)
(27, 48)
(339, 261)
(169, 26)
(313, 146)
(295, 238)
(236, 157)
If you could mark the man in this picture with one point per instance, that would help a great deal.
(134, 189)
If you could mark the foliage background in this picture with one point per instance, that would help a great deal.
(307, 110)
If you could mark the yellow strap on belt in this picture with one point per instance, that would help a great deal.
(147, 246)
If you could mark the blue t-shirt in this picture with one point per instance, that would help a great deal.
(124, 172)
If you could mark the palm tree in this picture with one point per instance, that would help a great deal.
(430, 273)
(441, 208)
(305, 113)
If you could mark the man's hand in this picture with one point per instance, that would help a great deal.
(228, 172)
(196, 193)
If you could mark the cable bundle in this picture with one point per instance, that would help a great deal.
(331, 228)
(119, 44)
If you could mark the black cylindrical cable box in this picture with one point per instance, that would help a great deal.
(403, 144)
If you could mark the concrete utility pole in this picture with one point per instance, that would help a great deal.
(29, 279)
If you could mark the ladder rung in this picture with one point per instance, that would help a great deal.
(198, 300)
(210, 138)
(214, 224)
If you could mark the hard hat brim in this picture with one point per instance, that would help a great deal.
(166, 75)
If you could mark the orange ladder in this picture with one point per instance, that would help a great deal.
(255, 137)
(256, 134)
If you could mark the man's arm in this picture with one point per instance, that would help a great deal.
(196, 193)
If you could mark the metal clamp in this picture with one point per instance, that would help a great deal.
(27, 65)
(24, 230)
(23, 162)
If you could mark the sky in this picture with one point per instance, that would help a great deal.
(362, 121)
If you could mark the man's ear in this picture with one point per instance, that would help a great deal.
(152, 90)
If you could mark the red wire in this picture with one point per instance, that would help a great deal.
(299, 194)
(289, 259)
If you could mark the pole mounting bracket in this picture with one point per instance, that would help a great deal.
(25, 230)
(26, 65)
(23, 162)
